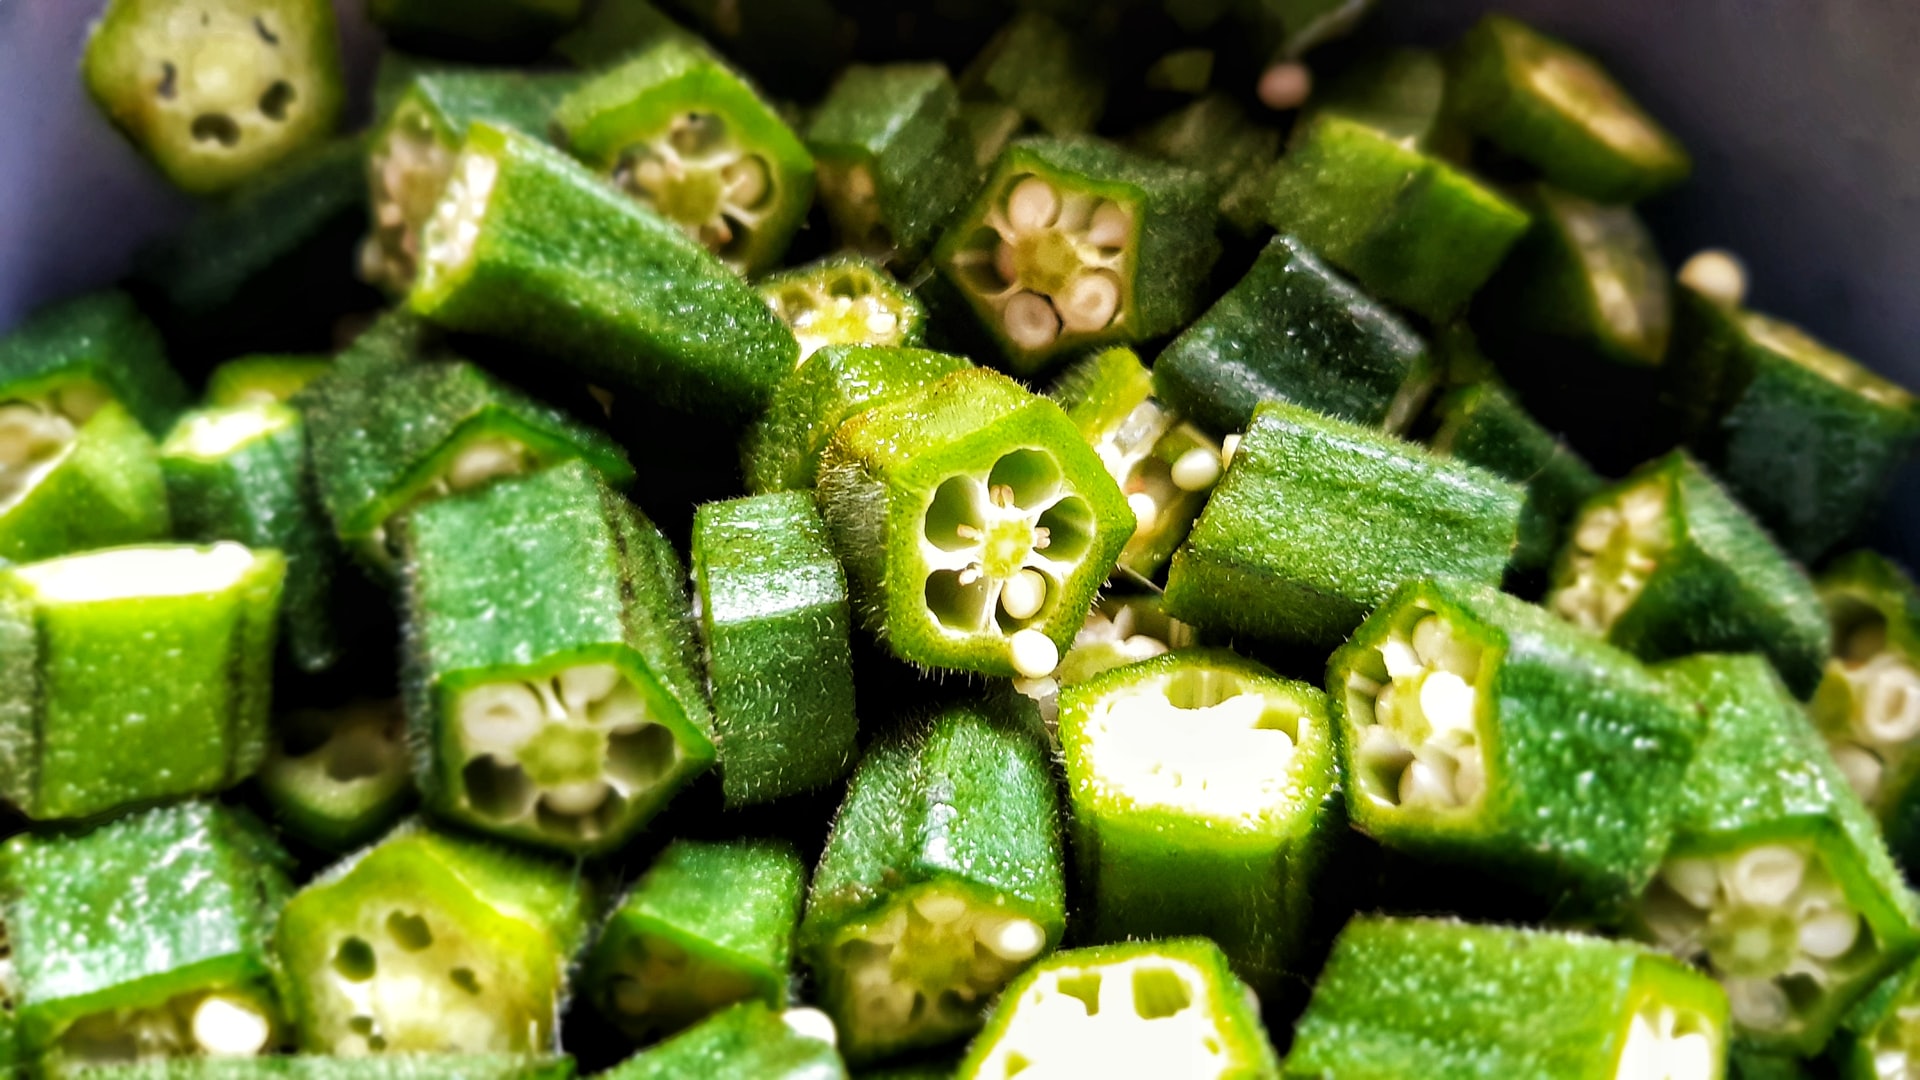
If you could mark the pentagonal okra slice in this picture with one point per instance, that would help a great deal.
(1215, 136)
(338, 777)
(974, 523)
(1868, 702)
(70, 358)
(69, 486)
(263, 378)
(1076, 242)
(941, 879)
(1524, 1003)
(1777, 881)
(431, 942)
(748, 1041)
(844, 300)
(145, 939)
(1052, 74)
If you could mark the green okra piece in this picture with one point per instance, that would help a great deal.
(990, 126)
(1317, 520)
(1053, 74)
(1880, 1037)
(1121, 630)
(775, 621)
(1202, 789)
(1399, 91)
(1217, 138)
(487, 29)
(1094, 1012)
(710, 924)
(134, 674)
(974, 523)
(1478, 729)
(940, 880)
(1777, 882)
(1293, 329)
(431, 942)
(263, 378)
(74, 485)
(613, 30)
(529, 245)
(749, 1041)
(1073, 242)
(683, 134)
(1450, 1000)
(337, 778)
(1545, 102)
(73, 357)
(424, 1066)
(146, 938)
(1665, 563)
(1410, 228)
(845, 300)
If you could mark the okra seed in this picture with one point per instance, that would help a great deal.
(1688, 1057)
(1146, 511)
(1767, 875)
(1717, 275)
(500, 716)
(1447, 701)
(1196, 470)
(1016, 939)
(748, 182)
(224, 1026)
(1758, 1003)
(1032, 205)
(1696, 881)
(1285, 86)
(484, 460)
(1030, 321)
(1424, 783)
(1091, 302)
(1006, 262)
(1034, 654)
(587, 683)
(578, 798)
(1110, 225)
(1024, 594)
(1829, 933)
(1890, 712)
(1861, 767)
(1401, 659)
(811, 1024)
(939, 907)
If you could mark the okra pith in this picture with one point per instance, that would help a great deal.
(68, 486)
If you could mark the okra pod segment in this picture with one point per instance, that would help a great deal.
(1052, 74)
(263, 378)
(70, 358)
(423, 1066)
(844, 300)
(337, 778)
(749, 1041)
(1215, 136)
(69, 486)
(1879, 1039)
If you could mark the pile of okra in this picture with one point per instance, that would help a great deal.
(806, 539)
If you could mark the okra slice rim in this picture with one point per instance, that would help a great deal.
(347, 758)
(1613, 548)
(236, 1020)
(702, 175)
(1868, 705)
(1672, 1033)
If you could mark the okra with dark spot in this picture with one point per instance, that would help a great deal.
(336, 778)
(844, 300)
(749, 1041)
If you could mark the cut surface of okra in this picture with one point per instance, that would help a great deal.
(1880, 1039)
(844, 300)
(336, 778)
(70, 358)
(69, 485)
(1400, 91)
(1868, 702)
(749, 1041)
(262, 379)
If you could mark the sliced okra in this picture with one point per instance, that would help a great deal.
(974, 523)
(1868, 702)
(71, 485)
(484, 29)
(990, 126)
(1522, 1003)
(844, 300)
(336, 778)
(423, 1066)
(710, 924)
(73, 357)
(1317, 520)
(147, 938)
(1215, 136)
(1054, 75)
(263, 378)
(1119, 630)
(1665, 563)
(1880, 1038)
(1076, 242)
(941, 879)
(135, 674)
(1400, 91)
(749, 1041)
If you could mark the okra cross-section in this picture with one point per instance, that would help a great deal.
(336, 778)
(974, 524)
(72, 485)
(844, 300)
(749, 1041)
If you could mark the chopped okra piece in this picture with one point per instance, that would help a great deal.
(1430, 997)
(528, 245)
(709, 925)
(1665, 563)
(71, 485)
(1777, 881)
(1076, 242)
(1552, 106)
(1317, 520)
(941, 879)
(1216, 137)
(1119, 630)
(683, 134)
(337, 778)
(1203, 800)
(776, 624)
(1054, 75)
(1293, 329)
(147, 938)
(750, 1041)
(1400, 91)
(431, 942)
(974, 523)
(844, 300)
(1151, 1008)
(1868, 703)
(71, 358)
(213, 93)
(424, 1066)
(263, 379)
(134, 674)
(1880, 1038)
(487, 29)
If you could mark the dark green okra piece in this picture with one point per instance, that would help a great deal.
(337, 778)
(710, 924)
(263, 378)
(488, 29)
(1293, 329)
(749, 1041)
(1665, 563)
(1053, 74)
(1437, 998)
(1552, 106)
(844, 300)
(432, 942)
(1880, 1038)
(974, 523)
(72, 357)
(71, 485)
(146, 938)
(1317, 520)
(1217, 138)
(529, 245)
(1400, 91)
(941, 879)
(1868, 702)
(1074, 242)
(549, 672)
(134, 674)
(424, 1066)
(1777, 881)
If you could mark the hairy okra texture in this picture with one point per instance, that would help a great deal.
(263, 379)
(1074, 242)
(974, 524)
(1868, 702)
(549, 670)
(940, 880)
(144, 939)
(1665, 563)
(1050, 74)
(1777, 881)
(1430, 997)
(336, 778)
(749, 1041)
(426, 1066)
(844, 300)
(1399, 90)
(430, 942)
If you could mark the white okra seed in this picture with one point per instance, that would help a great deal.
(1696, 880)
(1031, 322)
(939, 907)
(1034, 654)
(1032, 205)
(1285, 86)
(1024, 594)
(1228, 447)
(584, 684)
(225, 1027)
(580, 797)
(1091, 302)
(1717, 275)
(1767, 874)
(1016, 939)
(811, 1024)
(1109, 225)
(1146, 511)
(1861, 768)
(1891, 712)
(1829, 933)
(1196, 470)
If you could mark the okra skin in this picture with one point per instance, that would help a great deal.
(1317, 520)
(1432, 997)
(1216, 137)
(424, 1066)
(1053, 75)
(1400, 91)
(105, 488)
(338, 778)
(845, 300)
(1860, 705)
(90, 348)
(748, 1041)
(489, 29)
(1875, 1037)
(263, 378)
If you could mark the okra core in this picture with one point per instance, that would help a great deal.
(1420, 744)
(1877, 699)
(1113, 1020)
(698, 174)
(407, 173)
(1615, 547)
(1668, 1043)
(450, 233)
(201, 1022)
(1050, 261)
(220, 71)
(839, 309)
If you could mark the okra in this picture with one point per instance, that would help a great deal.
(134, 674)
(73, 357)
(844, 300)
(337, 778)
(427, 1066)
(1432, 997)
(1119, 630)
(488, 29)
(709, 925)
(263, 379)
(749, 1041)
(147, 938)
(1054, 75)
(1399, 91)
(613, 30)
(431, 942)
(1151, 1008)
(940, 880)
(1215, 137)
(212, 95)
(1665, 563)
(1880, 1039)
(528, 245)
(1777, 881)
(1293, 329)
(71, 485)
(1317, 520)
(974, 524)
(1076, 242)
(681, 133)
(1545, 102)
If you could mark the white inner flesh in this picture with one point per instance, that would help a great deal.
(811, 1024)
(1617, 545)
(407, 173)
(160, 570)
(221, 73)
(199, 1023)
(1419, 744)
(852, 202)
(448, 237)
(848, 312)
(1146, 1016)
(475, 465)
(35, 437)
(407, 979)
(1153, 487)
(698, 175)
(1878, 697)
(1055, 263)
(347, 750)
(215, 433)
(1106, 640)
(1664, 1043)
